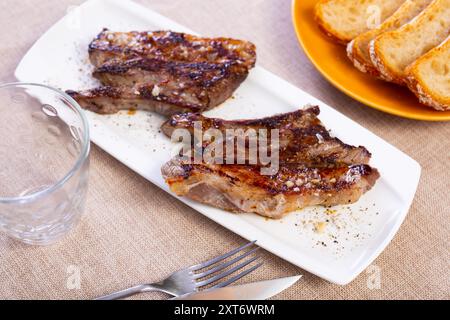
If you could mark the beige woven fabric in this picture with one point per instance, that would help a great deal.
(133, 232)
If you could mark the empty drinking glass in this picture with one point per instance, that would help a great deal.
(44, 162)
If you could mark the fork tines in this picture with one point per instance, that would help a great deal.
(245, 264)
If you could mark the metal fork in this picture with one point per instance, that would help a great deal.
(191, 279)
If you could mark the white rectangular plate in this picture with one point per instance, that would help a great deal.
(354, 235)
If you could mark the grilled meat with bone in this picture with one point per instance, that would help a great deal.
(170, 46)
(164, 71)
(302, 137)
(313, 170)
(242, 188)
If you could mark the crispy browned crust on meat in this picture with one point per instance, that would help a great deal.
(170, 46)
(241, 188)
(182, 72)
(210, 83)
(303, 138)
(202, 74)
(314, 168)
(299, 118)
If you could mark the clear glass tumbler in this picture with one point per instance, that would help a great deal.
(44, 162)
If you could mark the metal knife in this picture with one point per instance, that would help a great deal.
(251, 291)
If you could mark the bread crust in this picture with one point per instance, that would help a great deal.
(354, 11)
(325, 27)
(422, 89)
(377, 46)
(356, 58)
(379, 63)
(355, 49)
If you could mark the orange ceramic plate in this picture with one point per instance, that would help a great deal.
(331, 60)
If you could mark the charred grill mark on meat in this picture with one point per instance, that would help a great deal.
(315, 168)
(241, 188)
(170, 46)
(303, 138)
(182, 72)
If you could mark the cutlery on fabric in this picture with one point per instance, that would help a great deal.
(193, 278)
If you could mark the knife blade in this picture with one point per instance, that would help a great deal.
(251, 291)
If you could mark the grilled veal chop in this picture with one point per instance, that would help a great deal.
(170, 46)
(315, 169)
(164, 71)
(242, 188)
(302, 137)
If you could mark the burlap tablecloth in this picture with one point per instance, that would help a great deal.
(133, 232)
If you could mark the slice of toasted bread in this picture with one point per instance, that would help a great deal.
(429, 77)
(391, 52)
(358, 48)
(343, 20)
